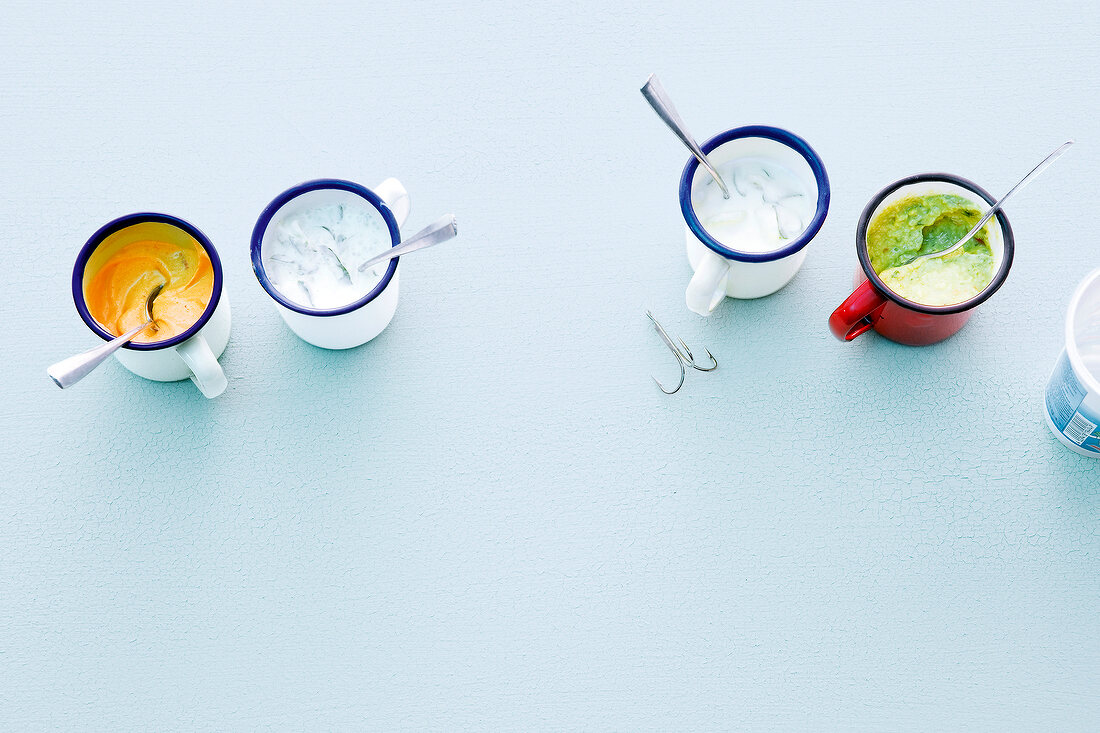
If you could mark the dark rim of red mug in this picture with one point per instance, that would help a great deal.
(884, 290)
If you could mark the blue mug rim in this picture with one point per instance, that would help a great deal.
(792, 141)
(124, 222)
(315, 185)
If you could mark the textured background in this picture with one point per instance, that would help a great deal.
(489, 517)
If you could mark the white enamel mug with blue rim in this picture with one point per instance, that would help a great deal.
(721, 270)
(194, 353)
(358, 322)
(1072, 404)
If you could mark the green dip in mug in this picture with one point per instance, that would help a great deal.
(919, 225)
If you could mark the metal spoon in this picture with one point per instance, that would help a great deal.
(997, 206)
(69, 371)
(431, 235)
(659, 100)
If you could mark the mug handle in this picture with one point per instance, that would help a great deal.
(396, 197)
(854, 315)
(708, 285)
(206, 372)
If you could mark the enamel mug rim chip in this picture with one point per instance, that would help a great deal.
(294, 192)
(782, 137)
(124, 222)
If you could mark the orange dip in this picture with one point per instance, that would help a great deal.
(117, 292)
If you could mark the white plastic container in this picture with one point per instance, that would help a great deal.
(1072, 404)
(360, 321)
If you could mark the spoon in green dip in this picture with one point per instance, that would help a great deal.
(997, 206)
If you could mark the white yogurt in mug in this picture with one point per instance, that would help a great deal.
(768, 205)
(313, 256)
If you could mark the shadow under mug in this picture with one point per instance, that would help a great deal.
(722, 271)
(358, 322)
(192, 354)
(872, 305)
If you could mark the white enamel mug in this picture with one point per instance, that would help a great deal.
(194, 353)
(1072, 404)
(358, 322)
(720, 269)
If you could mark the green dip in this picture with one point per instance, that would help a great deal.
(919, 225)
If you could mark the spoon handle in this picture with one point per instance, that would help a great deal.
(659, 100)
(997, 206)
(68, 372)
(431, 235)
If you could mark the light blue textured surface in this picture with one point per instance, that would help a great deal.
(489, 518)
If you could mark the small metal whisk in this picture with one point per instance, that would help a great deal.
(684, 357)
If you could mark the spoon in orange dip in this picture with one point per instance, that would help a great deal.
(120, 296)
(116, 294)
(69, 371)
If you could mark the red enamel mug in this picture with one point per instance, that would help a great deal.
(874, 306)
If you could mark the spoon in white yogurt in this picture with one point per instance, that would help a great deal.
(997, 206)
(659, 100)
(431, 235)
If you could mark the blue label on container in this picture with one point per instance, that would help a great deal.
(1064, 397)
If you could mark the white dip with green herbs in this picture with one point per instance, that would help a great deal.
(313, 256)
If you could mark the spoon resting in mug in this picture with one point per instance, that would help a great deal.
(436, 233)
(659, 100)
(68, 372)
(997, 206)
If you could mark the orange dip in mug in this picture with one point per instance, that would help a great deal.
(116, 293)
